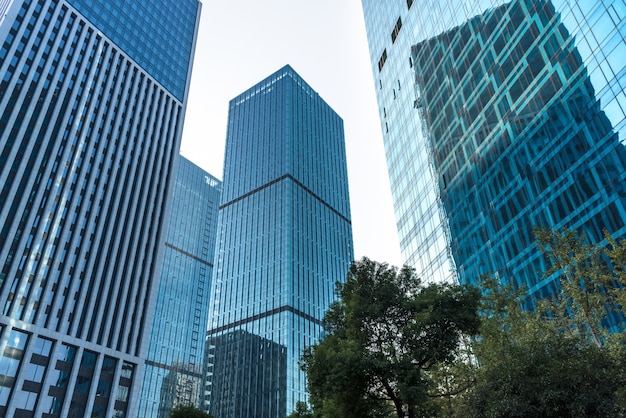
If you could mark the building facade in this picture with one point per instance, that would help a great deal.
(92, 99)
(284, 240)
(173, 371)
(517, 113)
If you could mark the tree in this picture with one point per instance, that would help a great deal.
(384, 338)
(302, 411)
(592, 279)
(565, 358)
(547, 378)
(452, 381)
(189, 411)
(530, 367)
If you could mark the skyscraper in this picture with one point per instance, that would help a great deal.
(173, 372)
(284, 240)
(92, 100)
(497, 117)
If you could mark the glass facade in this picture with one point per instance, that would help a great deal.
(420, 217)
(284, 239)
(173, 372)
(518, 109)
(88, 141)
(163, 50)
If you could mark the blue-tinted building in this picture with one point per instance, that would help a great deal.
(173, 372)
(91, 114)
(517, 110)
(284, 239)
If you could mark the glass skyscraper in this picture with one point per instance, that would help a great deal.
(498, 117)
(173, 372)
(91, 113)
(284, 240)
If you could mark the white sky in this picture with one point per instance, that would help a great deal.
(240, 42)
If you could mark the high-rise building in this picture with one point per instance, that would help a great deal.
(173, 371)
(498, 117)
(284, 240)
(92, 99)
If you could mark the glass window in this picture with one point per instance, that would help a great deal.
(106, 377)
(9, 366)
(42, 347)
(4, 395)
(25, 400)
(34, 372)
(17, 339)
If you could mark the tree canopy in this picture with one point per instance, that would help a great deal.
(530, 367)
(396, 347)
(189, 411)
(566, 357)
(384, 337)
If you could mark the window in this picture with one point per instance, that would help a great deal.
(396, 30)
(382, 60)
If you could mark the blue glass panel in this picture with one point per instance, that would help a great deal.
(516, 117)
(157, 34)
(176, 349)
(285, 239)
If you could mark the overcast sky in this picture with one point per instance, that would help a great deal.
(240, 42)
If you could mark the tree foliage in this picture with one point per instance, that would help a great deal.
(563, 359)
(384, 339)
(592, 278)
(188, 411)
(530, 367)
(302, 411)
(392, 343)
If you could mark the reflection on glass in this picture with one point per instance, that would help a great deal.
(518, 139)
(244, 363)
(172, 373)
(182, 385)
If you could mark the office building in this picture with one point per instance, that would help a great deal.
(92, 99)
(498, 117)
(173, 371)
(284, 240)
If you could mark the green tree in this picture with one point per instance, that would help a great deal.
(384, 339)
(592, 279)
(452, 381)
(547, 378)
(530, 367)
(188, 411)
(561, 359)
(302, 411)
